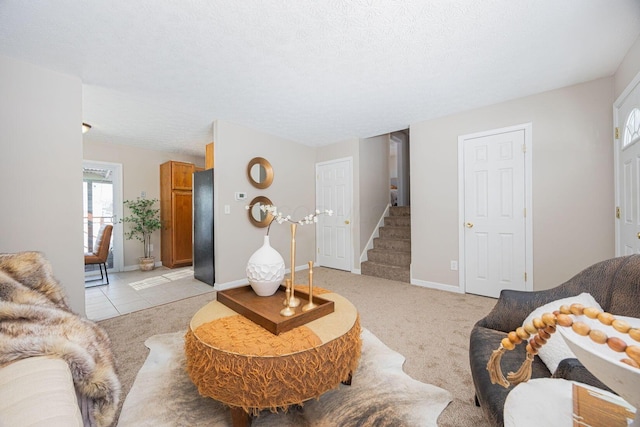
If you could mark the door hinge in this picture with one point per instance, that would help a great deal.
(525, 212)
(525, 276)
(524, 148)
(617, 133)
(618, 212)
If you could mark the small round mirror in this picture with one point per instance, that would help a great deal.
(257, 216)
(260, 172)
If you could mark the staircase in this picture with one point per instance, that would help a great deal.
(390, 257)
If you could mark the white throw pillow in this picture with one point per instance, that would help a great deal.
(556, 350)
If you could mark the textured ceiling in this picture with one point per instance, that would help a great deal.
(157, 73)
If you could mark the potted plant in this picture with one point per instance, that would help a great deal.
(144, 220)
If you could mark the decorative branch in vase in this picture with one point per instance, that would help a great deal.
(265, 269)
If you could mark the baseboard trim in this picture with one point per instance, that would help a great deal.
(439, 286)
(230, 285)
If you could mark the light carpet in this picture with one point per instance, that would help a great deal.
(381, 394)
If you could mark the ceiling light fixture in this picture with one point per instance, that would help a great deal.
(85, 127)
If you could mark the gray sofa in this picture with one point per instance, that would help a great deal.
(614, 283)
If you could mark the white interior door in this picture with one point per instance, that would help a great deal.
(627, 122)
(333, 233)
(494, 200)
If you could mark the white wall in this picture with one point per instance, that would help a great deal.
(140, 172)
(292, 191)
(628, 69)
(374, 186)
(572, 181)
(41, 169)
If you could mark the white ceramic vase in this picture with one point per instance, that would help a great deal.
(265, 270)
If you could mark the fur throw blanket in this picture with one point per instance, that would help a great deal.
(35, 320)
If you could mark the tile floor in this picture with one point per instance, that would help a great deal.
(136, 290)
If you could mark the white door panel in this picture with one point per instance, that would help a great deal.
(494, 212)
(333, 191)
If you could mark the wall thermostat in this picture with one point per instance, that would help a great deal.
(240, 195)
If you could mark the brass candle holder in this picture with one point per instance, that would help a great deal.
(310, 304)
(288, 311)
(294, 301)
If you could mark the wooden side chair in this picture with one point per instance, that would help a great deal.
(100, 250)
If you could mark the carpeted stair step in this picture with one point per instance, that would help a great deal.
(392, 244)
(397, 221)
(395, 233)
(389, 257)
(400, 211)
(401, 274)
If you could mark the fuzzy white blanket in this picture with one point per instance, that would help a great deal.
(35, 320)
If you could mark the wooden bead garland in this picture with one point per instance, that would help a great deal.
(537, 332)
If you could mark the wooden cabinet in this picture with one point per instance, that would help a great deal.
(176, 213)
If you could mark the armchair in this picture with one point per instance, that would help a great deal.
(100, 250)
(614, 284)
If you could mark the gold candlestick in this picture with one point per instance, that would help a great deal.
(294, 302)
(310, 305)
(288, 311)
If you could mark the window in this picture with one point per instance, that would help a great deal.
(632, 128)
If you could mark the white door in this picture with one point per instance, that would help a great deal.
(102, 204)
(627, 122)
(333, 233)
(494, 213)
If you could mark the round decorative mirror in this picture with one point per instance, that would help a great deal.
(260, 172)
(257, 216)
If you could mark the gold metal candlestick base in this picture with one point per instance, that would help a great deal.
(288, 311)
(295, 301)
(310, 304)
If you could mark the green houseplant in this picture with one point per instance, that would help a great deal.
(144, 220)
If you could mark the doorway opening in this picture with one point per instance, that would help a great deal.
(400, 184)
(102, 204)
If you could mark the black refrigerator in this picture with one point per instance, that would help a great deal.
(203, 248)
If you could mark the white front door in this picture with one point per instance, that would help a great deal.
(494, 225)
(627, 122)
(333, 233)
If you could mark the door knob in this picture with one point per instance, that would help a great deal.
(470, 225)
(348, 222)
(638, 235)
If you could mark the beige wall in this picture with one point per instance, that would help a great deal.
(140, 172)
(292, 191)
(572, 181)
(374, 186)
(628, 69)
(41, 169)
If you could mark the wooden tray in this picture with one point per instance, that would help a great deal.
(265, 311)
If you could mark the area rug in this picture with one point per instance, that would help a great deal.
(381, 394)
